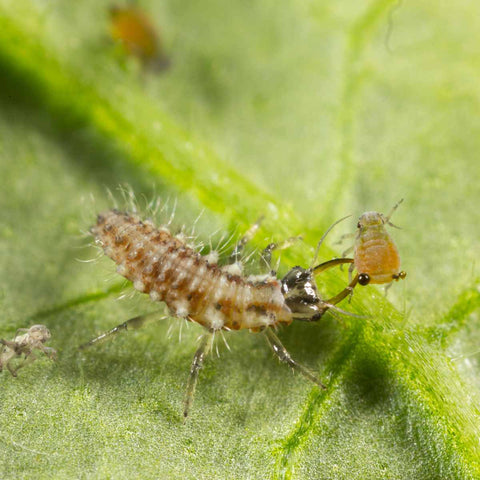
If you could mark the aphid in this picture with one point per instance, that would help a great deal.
(196, 288)
(33, 338)
(131, 27)
(375, 256)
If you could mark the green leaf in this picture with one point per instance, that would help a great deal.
(301, 111)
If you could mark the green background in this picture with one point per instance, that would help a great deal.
(304, 111)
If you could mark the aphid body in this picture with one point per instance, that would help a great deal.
(32, 339)
(376, 257)
(133, 29)
(196, 288)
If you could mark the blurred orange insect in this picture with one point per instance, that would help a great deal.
(376, 257)
(132, 28)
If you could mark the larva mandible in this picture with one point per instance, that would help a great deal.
(195, 287)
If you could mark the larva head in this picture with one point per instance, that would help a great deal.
(301, 295)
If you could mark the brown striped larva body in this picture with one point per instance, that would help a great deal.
(170, 271)
(218, 298)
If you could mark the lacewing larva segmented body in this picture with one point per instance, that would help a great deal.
(170, 271)
(217, 297)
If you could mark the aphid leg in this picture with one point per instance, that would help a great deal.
(249, 234)
(343, 237)
(197, 364)
(351, 268)
(347, 251)
(285, 357)
(132, 324)
(392, 211)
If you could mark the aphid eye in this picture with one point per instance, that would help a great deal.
(359, 225)
(364, 279)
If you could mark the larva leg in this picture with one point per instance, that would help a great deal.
(197, 364)
(285, 357)
(267, 251)
(132, 324)
(249, 234)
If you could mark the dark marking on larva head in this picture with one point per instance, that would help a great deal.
(301, 295)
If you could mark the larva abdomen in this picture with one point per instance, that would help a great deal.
(161, 265)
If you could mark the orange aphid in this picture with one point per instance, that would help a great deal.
(376, 257)
(134, 30)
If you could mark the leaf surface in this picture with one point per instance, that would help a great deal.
(303, 112)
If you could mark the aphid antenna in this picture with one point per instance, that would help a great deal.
(392, 211)
(319, 244)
